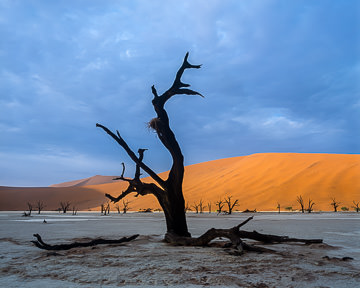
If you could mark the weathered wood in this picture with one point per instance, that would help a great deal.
(235, 235)
(42, 245)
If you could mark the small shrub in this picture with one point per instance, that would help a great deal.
(344, 208)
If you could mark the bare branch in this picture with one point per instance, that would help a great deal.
(132, 155)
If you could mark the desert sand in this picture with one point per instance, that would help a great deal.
(149, 262)
(259, 181)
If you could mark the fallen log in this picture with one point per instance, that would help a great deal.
(235, 235)
(42, 245)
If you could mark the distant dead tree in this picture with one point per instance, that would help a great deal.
(356, 207)
(209, 206)
(201, 206)
(220, 204)
(278, 207)
(64, 206)
(310, 206)
(231, 204)
(39, 206)
(74, 210)
(118, 209)
(125, 205)
(301, 202)
(105, 208)
(196, 207)
(30, 208)
(335, 204)
(187, 207)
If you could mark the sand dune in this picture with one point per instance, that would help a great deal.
(94, 180)
(16, 198)
(259, 181)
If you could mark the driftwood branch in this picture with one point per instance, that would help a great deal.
(42, 245)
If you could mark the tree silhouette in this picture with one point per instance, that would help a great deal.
(310, 206)
(39, 206)
(335, 204)
(220, 204)
(301, 202)
(356, 207)
(231, 205)
(169, 191)
(64, 206)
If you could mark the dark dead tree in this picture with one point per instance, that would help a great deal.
(231, 205)
(30, 208)
(118, 209)
(39, 206)
(196, 207)
(301, 202)
(278, 207)
(64, 206)
(220, 204)
(187, 207)
(209, 206)
(74, 210)
(310, 206)
(335, 204)
(126, 206)
(169, 191)
(356, 206)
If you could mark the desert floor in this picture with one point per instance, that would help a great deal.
(148, 262)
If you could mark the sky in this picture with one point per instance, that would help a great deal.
(277, 76)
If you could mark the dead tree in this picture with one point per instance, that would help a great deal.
(335, 204)
(125, 206)
(30, 208)
(220, 204)
(278, 207)
(74, 210)
(209, 206)
(39, 206)
(105, 208)
(196, 207)
(301, 202)
(64, 206)
(169, 191)
(231, 205)
(187, 207)
(356, 207)
(118, 209)
(310, 206)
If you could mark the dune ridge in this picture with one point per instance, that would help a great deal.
(259, 181)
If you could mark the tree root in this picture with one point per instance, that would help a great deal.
(235, 235)
(42, 245)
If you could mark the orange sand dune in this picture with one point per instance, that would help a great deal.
(94, 180)
(259, 181)
(16, 198)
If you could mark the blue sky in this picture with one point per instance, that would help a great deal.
(277, 76)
